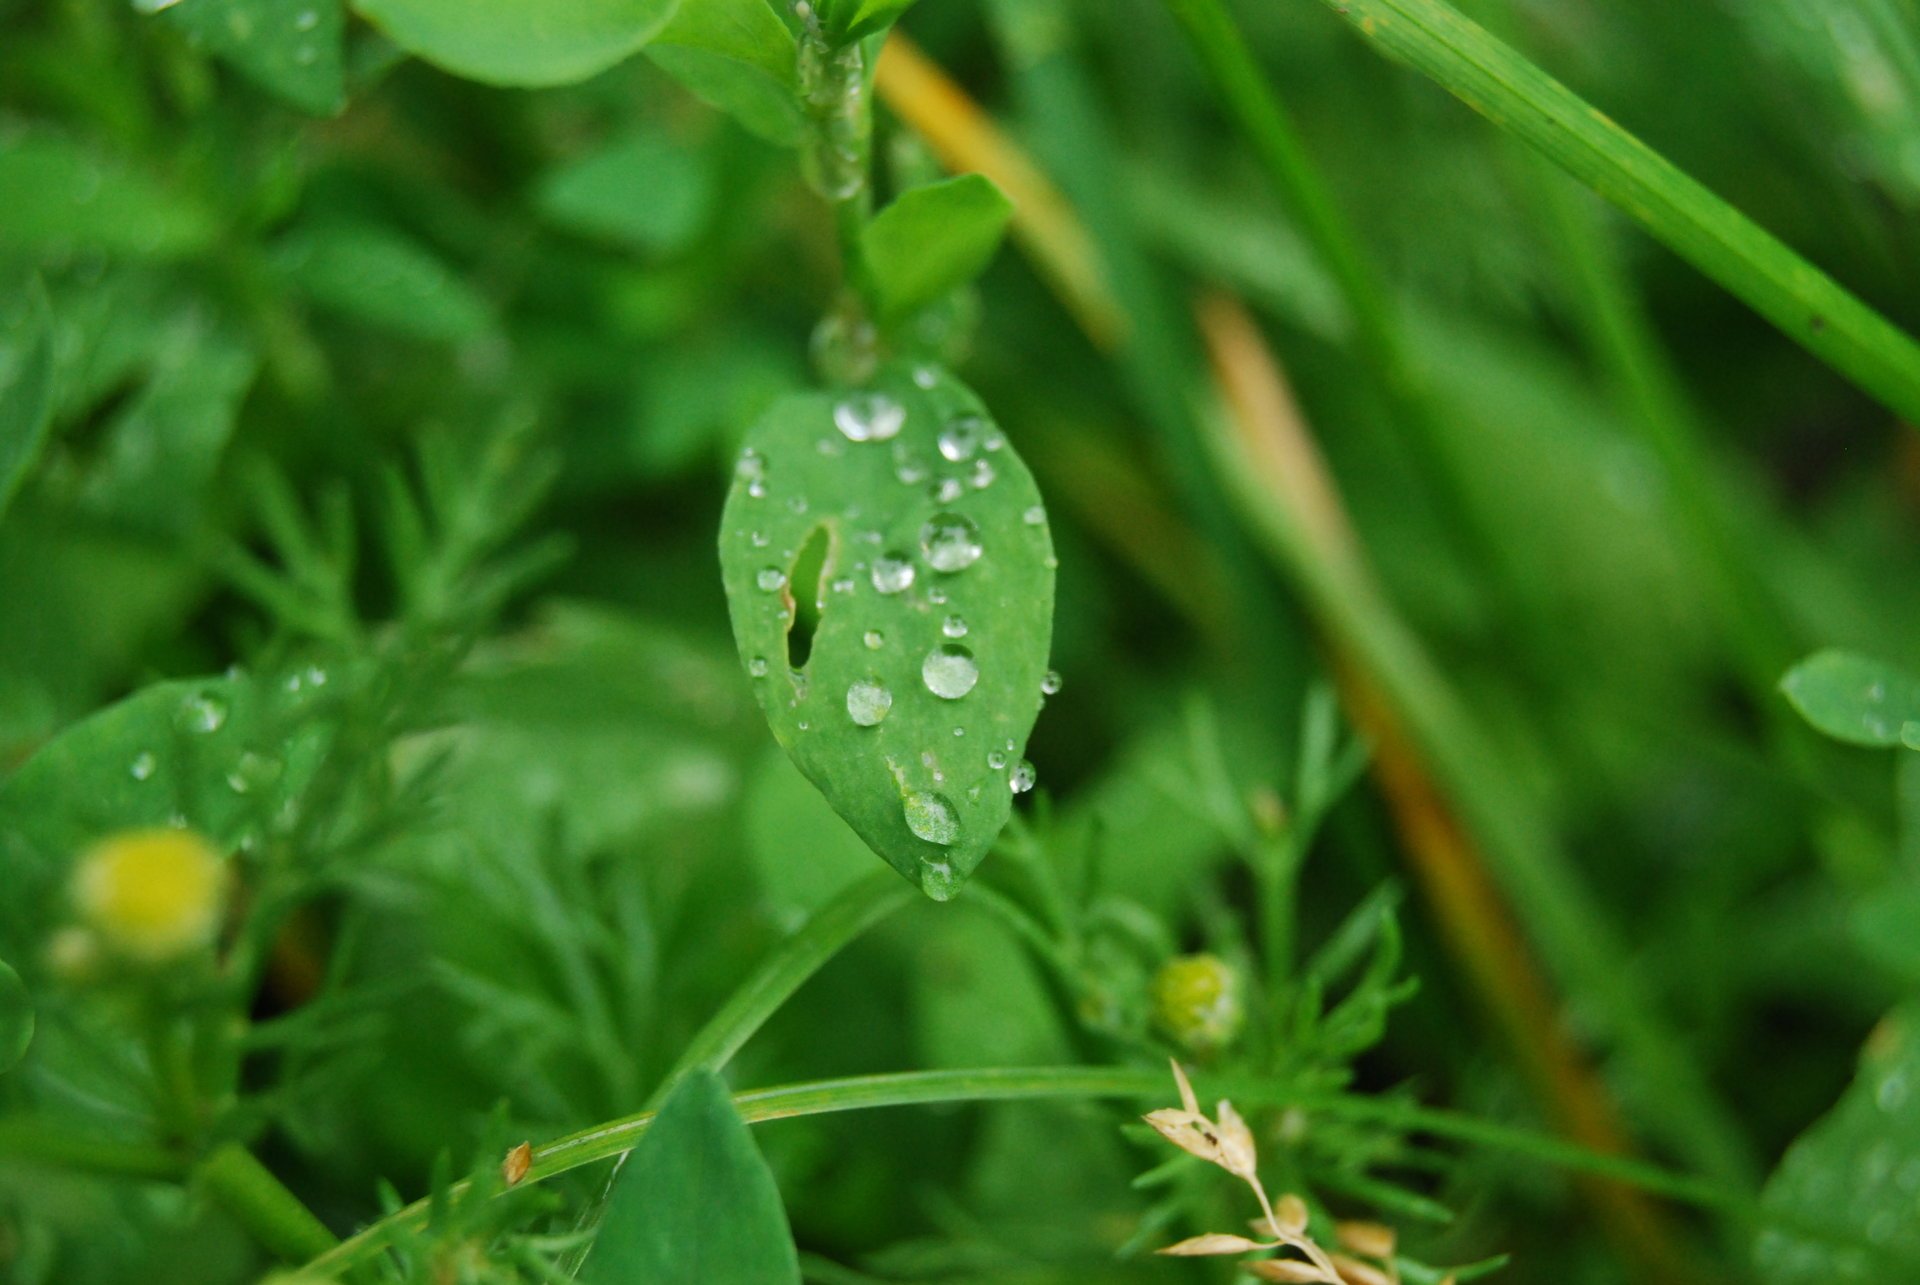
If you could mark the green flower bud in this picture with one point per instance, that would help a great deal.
(1197, 1004)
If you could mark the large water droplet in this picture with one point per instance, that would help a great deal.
(771, 579)
(892, 573)
(143, 765)
(949, 671)
(960, 439)
(868, 702)
(951, 542)
(869, 417)
(1022, 778)
(1050, 682)
(203, 712)
(931, 817)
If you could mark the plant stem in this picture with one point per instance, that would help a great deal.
(1513, 93)
(259, 1202)
(858, 907)
(32, 1141)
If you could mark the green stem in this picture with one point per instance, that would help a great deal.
(45, 1142)
(259, 1202)
(856, 909)
(1030, 1084)
(1500, 84)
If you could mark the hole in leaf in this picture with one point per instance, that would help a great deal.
(808, 585)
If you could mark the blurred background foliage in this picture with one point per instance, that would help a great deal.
(415, 406)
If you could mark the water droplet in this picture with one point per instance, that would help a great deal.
(937, 596)
(143, 765)
(949, 671)
(869, 417)
(868, 702)
(757, 667)
(316, 676)
(910, 472)
(203, 712)
(959, 731)
(1022, 778)
(874, 639)
(771, 579)
(951, 542)
(756, 489)
(961, 438)
(759, 540)
(931, 817)
(843, 585)
(947, 490)
(994, 442)
(954, 627)
(1050, 682)
(937, 880)
(925, 376)
(798, 504)
(804, 725)
(892, 573)
(996, 760)
(1035, 516)
(983, 475)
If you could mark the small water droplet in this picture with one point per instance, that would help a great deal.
(1022, 778)
(203, 712)
(910, 472)
(983, 475)
(804, 725)
(951, 542)
(936, 595)
(954, 627)
(757, 667)
(868, 702)
(947, 490)
(771, 579)
(1050, 682)
(1035, 516)
(142, 766)
(996, 760)
(874, 639)
(843, 585)
(931, 817)
(925, 376)
(756, 489)
(949, 671)
(759, 539)
(892, 573)
(994, 442)
(316, 676)
(961, 438)
(959, 731)
(869, 417)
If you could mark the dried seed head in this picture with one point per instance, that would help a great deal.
(1373, 1240)
(1292, 1269)
(1236, 1143)
(515, 1166)
(1189, 1131)
(1188, 1102)
(1214, 1242)
(1290, 1213)
(1355, 1272)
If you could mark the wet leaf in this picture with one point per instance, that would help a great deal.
(290, 48)
(695, 1202)
(1857, 699)
(520, 42)
(933, 239)
(911, 544)
(1855, 1174)
(26, 386)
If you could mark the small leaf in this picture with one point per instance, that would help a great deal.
(890, 575)
(864, 17)
(934, 239)
(1853, 698)
(16, 1017)
(26, 387)
(1853, 1175)
(695, 1203)
(61, 196)
(644, 190)
(520, 42)
(737, 56)
(290, 48)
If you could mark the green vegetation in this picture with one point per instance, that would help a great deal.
(1018, 641)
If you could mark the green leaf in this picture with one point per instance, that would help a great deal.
(520, 42)
(1852, 1175)
(694, 1203)
(386, 279)
(61, 196)
(934, 239)
(1881, 922)
(864, 17)
(891, 546)
(739, 57)
(1855, 699)
(16, 1017)
(26, 387)
(290, 48)
(645, 190)
(1517, 96)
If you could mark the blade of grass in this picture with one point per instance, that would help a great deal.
(1517, 96)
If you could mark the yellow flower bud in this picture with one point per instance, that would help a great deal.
(151, 895)
(1196, 1001)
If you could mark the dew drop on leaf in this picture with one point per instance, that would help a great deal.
(954, 627)
(772, 579)
(892, 573)
(951, 542)
(960, 439)
(868, 702)
(949, 671)
(203, 712)
(874, 639)
(1022, 778)
(869, 417)
(1050, 683)
(931, 817)
(143, 765)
